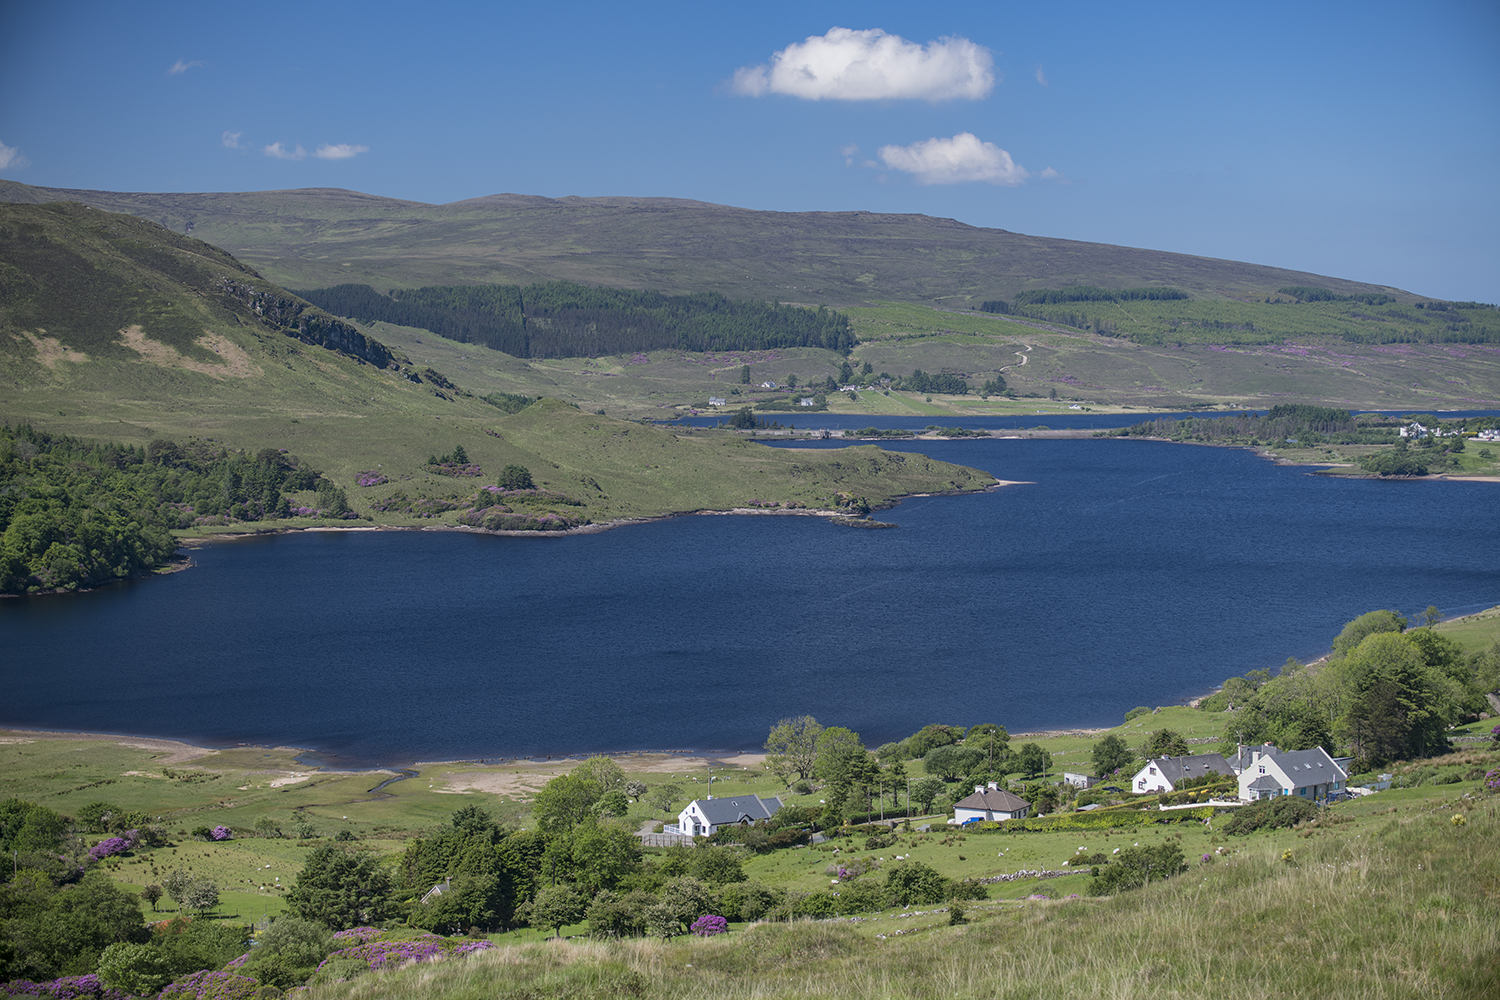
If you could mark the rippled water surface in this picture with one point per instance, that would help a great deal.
(1125, 573)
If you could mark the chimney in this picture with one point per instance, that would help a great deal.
(994, 787)
(978, 789)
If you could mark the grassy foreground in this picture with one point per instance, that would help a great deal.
(1405, 908)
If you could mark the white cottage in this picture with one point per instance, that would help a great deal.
(1167, 774)
(991, 804)
(702, 817)
(1311, 774)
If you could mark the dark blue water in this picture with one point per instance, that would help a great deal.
(1130, 573)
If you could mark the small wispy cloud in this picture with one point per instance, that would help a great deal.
(958, 160)
(280, 152)
(340, 151)
(1041, 76)
(183, 65)
(11, 157)
(231, 140)
(867, 65)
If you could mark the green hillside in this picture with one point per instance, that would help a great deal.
(912, 287)
(321, 237)
(151, 383)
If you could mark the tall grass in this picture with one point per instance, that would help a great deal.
(1408, 906)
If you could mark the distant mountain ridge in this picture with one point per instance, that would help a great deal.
(319, 237)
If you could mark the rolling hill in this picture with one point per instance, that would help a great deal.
(321, 236)
(912, 287)
(182, 360)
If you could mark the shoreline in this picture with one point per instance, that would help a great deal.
(182, 751)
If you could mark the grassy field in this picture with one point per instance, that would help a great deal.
(1109, 371)
(1388, 898)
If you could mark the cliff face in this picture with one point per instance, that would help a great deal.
(297, 318)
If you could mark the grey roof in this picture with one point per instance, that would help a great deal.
(1176, 769)
(1309, 767)
(993, 799)
(1265, 783)
(741, 808)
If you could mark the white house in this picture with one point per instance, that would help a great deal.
(715, 400)
(704, 816)
(1079, 780)
(1312, 774)
(1166, 774)
(990, 804)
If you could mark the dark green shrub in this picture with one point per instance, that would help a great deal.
(1136, 866)
(1270, 814)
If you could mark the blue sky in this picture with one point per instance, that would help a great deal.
(1360, 140)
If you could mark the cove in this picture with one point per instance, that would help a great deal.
(1128, 572)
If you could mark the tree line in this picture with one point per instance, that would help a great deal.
(1315, 293)
(567, 319)
(1386, 693)
(1297, 421)
(76, 514)
(1083, 293)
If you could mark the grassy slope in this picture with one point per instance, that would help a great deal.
(76, 277)
(317, 237)
(898, 337)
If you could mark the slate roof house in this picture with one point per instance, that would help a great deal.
(1166, 774)
(1311, 774)
(989, 804)
(702, 817)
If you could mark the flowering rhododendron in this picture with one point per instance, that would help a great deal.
(708, 925)
(222, 833)
(68, 988)
(371, 479)
(110, 847)
(380, 954)
(208, 985)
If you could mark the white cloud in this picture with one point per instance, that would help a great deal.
(853, 65)
(1041, 77)
(11, 157)
(342, 151)
(182, 66)
(279, 151)
(231, 140)
(954, 161)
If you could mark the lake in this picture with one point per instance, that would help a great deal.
(1128, 572)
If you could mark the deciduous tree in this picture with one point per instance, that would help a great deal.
(792, 748)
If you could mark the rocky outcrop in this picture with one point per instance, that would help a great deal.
(297, 318)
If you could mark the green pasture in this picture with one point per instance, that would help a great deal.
(1473, 632)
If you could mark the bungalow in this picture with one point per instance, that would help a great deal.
(1079, 780)
(990, 804)
(704, 816)
(1166, 774)
(1311, 774)
(715, 400)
